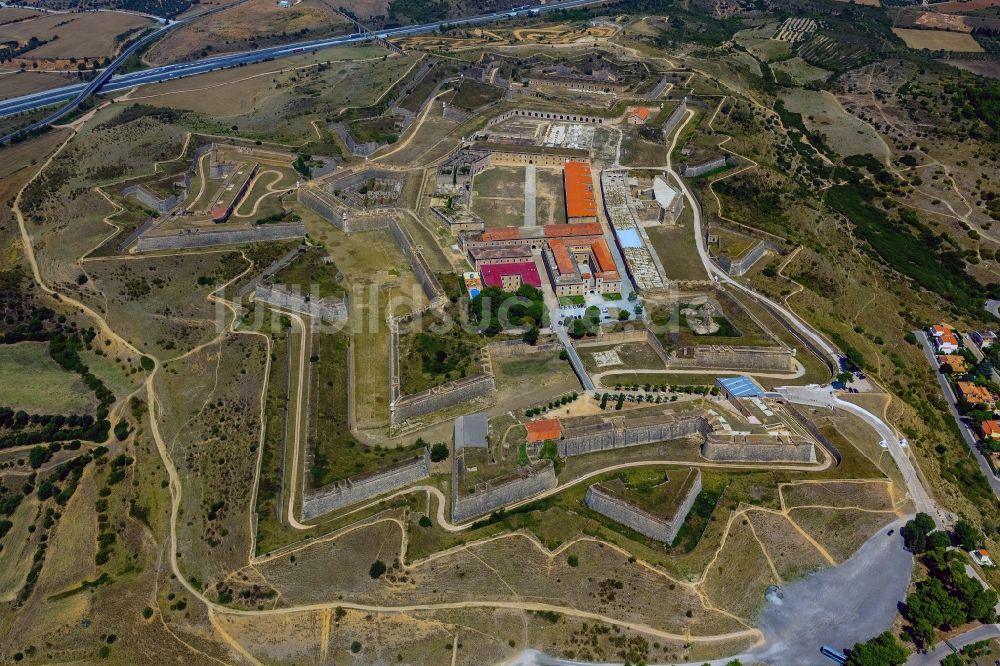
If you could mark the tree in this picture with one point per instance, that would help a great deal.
(883, 650)
(938, 539)
(953, 660)
(577, 329)
(377, 569)
(439, 452)
(915, 532)
(968, 535)
(530, 335)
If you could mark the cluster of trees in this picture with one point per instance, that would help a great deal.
(496, 309)
(588, 324)
(558, 402)
(948, 597)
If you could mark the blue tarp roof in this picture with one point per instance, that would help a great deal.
(741, 387)
(629, 238)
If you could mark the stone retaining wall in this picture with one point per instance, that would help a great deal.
(493, 495)
(432, 287)
(620, 434)
(517, 348)
(695, 170)
(548, 115)
(724, 357)
(326, 309)
(675, 117)
(146, 197)
(640, 336)
(356, 489)
(727, 450)
(745, 263)
(661, 528)
(440, 397)
(347, 221)
(192, 239)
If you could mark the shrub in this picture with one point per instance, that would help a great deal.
(377, 569)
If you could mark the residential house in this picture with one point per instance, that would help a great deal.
(983, 339)
(953, 361)
(974, 394)
(947, 343)
(990, 429)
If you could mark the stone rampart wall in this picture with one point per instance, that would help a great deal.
(518, 348)
(675, 117)
(661, 528)
(614, 436)
(326, 309)
(695, 170)
(432, 287)
(356, 489)
(345, 220)
(745, 263)
(489, 497)
(719, 449)
(733, 358)
(440, 397)
(640, 336)
(258, 234)
(548, 115)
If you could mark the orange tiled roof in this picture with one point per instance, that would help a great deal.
(948, 338)
(543, 429)
(974, 393)
(641, 112)
(579, 190)
(502, 233)
(990, 428)
(567, 230)
(956, 362)
(605, 263)
(564, 260)
(940, 329)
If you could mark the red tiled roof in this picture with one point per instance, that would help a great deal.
(220, 213)
(990, 428)
(543, 429)
(564, 260)
(579, 190)
(641, 112)
(567, 230)
(494, 273)
(605, 263)
(502, 233)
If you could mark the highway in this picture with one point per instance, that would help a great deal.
(108, 82)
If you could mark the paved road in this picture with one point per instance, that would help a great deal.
(993, 306)
(109, 83)
(574, 358)
(949, 396)
(941, 650)
(529, 196)
(824, 396)
(866, 588)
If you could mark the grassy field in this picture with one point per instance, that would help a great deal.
(938, 40)
(799, 71)
(83, 35)
(845, 133)
(32, 381)
(472, 94)
(259, 21)
(19, 83)
(677, 251)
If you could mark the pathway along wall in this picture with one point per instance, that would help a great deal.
(492, 495)
(356, 489)
(189, 239)
(656, 527)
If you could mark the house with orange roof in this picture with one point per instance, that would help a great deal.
(946, 343)
(953, 361)
(543, 429)
(937, 330)
(990, 429)
(974, 394)
(638, 115)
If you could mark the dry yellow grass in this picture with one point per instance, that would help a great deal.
(935, 40)
(87, 35)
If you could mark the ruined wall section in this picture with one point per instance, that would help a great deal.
(326, 309)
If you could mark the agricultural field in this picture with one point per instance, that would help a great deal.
(257, 22)
(938, 40)
(844, 133)
(83, 36)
